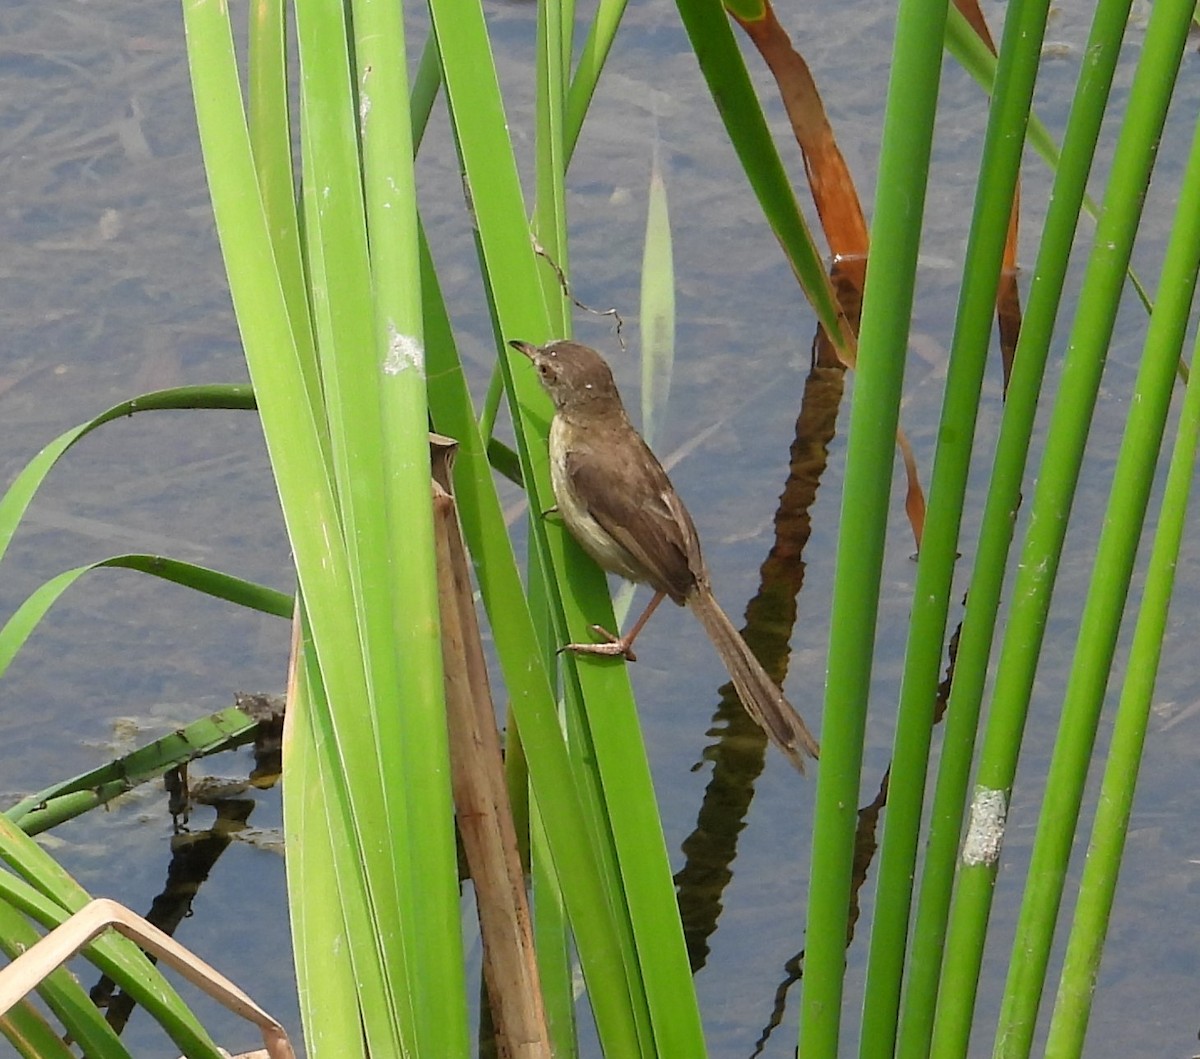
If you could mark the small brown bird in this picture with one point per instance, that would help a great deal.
(618, 502)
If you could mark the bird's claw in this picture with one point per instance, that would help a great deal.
(611, 647)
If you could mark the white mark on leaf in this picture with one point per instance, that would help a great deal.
(404, 353)
(985, 835)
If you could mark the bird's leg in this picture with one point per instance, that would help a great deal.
(617, 646)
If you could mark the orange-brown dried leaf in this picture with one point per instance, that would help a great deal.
(833, 190)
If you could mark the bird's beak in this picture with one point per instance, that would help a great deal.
(528, 348)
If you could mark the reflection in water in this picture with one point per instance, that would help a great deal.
(865, 845)
(864, 852)
(739, 752)
(194, 854)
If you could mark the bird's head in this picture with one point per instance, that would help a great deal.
(572, 374)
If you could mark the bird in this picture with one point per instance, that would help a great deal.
(618, 503)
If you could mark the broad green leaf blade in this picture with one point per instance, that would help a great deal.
(41, 890)
(62, 993)
(657, 315)
(211, 582)
(550, 208)
(210, 735)
(19, 495)
(270, 128)
(591, 62)
(310, 506)
(647, 928)
(321, 924)
(725, 71)
(371, 347)
(32, 1037)
(533, 705)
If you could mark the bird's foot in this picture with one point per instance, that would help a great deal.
(611, 647)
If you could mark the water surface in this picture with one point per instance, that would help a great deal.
(114, 285)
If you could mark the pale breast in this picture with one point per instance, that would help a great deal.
(585, 529)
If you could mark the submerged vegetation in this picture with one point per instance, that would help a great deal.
(389, 446)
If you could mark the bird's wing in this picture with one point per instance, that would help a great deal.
(642, 513)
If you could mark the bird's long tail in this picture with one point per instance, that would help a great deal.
(761, 697)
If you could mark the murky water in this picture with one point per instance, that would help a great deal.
(113, 285)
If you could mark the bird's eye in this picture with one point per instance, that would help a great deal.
(545, 370)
